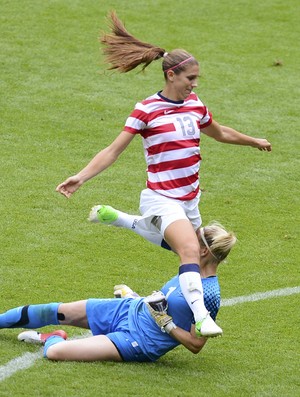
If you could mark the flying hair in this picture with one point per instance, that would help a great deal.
(125, 52)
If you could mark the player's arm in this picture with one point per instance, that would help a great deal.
(106, 157)
(99, 163)
(188, 339)
(225, 134)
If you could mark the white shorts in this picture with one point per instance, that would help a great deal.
(169, 210)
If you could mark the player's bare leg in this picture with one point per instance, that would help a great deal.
(94, 348)
(181, 237)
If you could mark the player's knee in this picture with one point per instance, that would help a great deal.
(53, 353)
(189, 251)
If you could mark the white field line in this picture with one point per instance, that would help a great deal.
(17, 364)
(28, 359)
(260, 296)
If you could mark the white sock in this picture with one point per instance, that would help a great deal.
(191, 287)
(125, 220)
(131, 222)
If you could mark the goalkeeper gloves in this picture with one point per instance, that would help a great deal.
(123, 291)
(157, 301)
(157, 306)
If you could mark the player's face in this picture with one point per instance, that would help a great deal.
(186, 81)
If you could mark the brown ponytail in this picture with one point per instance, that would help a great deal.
(125, 52)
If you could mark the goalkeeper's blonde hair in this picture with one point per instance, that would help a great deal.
(219, 240)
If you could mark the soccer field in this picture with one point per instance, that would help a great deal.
(59, 106)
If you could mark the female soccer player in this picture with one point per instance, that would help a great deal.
(169, 123)
(127, 329)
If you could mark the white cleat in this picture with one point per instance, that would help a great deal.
(38, 337)
(207, 327)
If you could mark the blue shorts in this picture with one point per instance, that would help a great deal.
(110, 317)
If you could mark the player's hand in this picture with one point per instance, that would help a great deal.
(263, 144)
(162, 319)
(69, 186)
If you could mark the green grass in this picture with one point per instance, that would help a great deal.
(58, 107)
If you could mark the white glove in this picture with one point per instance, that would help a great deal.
(123, 291)
(158, 305)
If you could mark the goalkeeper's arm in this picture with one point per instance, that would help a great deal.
(188, 339)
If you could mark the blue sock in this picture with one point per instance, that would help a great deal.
(31, 316)
(52, 341)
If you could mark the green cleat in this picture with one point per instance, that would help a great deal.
(207, 327)
(103, 214)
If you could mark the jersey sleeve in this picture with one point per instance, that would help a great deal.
(137, 120)
(206, 119)
(205, 116)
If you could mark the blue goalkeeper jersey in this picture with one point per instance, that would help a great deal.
(129, 325)
(145, 331)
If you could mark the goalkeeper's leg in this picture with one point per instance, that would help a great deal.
(30, 316)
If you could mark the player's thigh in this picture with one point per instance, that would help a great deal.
(73, 313)
(181, 236)
(94, 348)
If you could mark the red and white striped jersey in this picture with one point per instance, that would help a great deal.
(171, 140)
